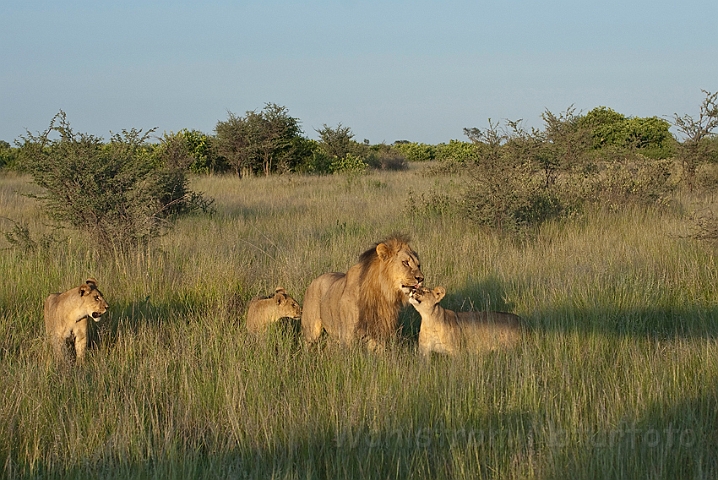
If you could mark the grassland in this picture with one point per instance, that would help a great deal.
(617, 377)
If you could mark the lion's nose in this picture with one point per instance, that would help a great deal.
(419, 279)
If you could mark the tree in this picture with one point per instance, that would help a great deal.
(122, 193)
(261, 142)
(697, 147)
(565, 136)
(233, 143)
(649, 135)
(336, 142)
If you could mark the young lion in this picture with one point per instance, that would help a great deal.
(264, 311)
(66, 318)
(446, 331)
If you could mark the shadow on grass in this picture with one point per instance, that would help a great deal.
(131, 317)
(667, 441)
(488, 447)
(687, 321)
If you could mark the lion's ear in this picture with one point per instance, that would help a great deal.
(85, 289)
(280, 290)
(384, 251)
(439, 293)
(91, 282)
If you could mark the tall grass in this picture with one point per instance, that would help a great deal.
(617, 377)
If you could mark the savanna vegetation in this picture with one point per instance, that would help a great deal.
(596, 230)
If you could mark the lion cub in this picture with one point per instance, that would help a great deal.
(446, 331)
(264, 311)
(66, 318)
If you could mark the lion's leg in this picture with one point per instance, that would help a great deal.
(311, 318)
(80, 341)
(58, 346)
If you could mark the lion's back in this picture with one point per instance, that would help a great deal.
(264, 311)
(489, 330)
(50, 311)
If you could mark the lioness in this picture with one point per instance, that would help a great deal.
(264, 311)
(364, 303)
(446, 331)
(66, 318)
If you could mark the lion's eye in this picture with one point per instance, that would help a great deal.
(406, 263)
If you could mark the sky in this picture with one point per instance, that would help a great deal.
(390, 70)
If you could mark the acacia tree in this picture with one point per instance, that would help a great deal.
(695, 148)
(260, 142)
(233, 143)
(336, 142)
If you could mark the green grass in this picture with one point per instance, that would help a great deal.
(617, 377)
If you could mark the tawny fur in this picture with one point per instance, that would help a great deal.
(364, 303)
(262, 312)
(447, 331)
(66, 319)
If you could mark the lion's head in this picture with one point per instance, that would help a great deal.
(286, 305)
(423, 299)
(92, 300)
(390, 271)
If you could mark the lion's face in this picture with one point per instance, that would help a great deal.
(404, 268)
(93, 303)
(287, 306)
(424, 299)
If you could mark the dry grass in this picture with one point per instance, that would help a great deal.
(617, 377)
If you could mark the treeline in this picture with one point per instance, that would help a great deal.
(518, 178)
(272, 141)
(126, 191)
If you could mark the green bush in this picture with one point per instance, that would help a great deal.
(199, 150)
(122, 193)
(8, 155)
(349, 164)
(263, 142)
(456, 151)
(416, 152)
(649, 135)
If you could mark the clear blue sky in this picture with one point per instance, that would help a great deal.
(389, 70)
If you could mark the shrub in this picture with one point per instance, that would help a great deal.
(385, 157)
(456, 151)
(699, 145)
(349, 164)
(121, 194)
(261, 142)
(416, 152)
(8, 155)
(198, 151)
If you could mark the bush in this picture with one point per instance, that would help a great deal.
(384, 157)
(121, 194)
(456, 151)
(8, 155)
(608, 128)
(349, 164)
(416, 152)
(261, 142)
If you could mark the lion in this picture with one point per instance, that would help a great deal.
(262, 312)
(363, 303)
(447, 331)
(66, 319)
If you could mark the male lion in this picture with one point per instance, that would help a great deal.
(264, 311)
(66, 318)
(364, 303)
(446, 331)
